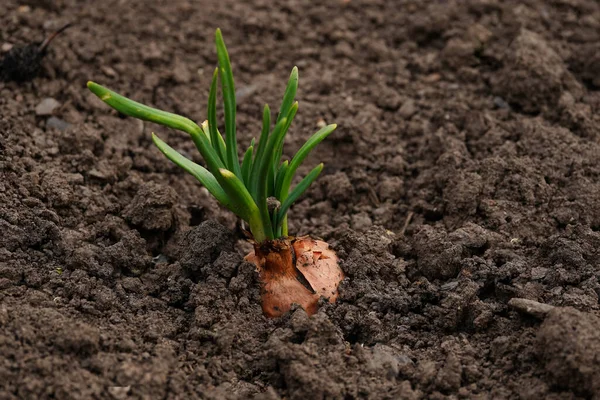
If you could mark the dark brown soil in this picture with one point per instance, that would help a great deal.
(465, 172)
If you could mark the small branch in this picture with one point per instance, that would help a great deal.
(530, 307)
(47, 41)
(407, 222)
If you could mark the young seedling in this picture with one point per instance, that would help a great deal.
(258, 190)
(22, 64)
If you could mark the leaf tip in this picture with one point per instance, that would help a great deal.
(156, 140)
(227, 174)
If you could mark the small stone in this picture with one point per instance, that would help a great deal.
(566, 100)
(108, 71)
(479, 33)
(449, 285)
(530, 307)
(6, 47)
(57, 123)
(538, 273)
(499, 102)
(46, 107)
(408, 109)
(160, 259)
(321, 123)
(432, 78)
(94, 173)
(119, 392)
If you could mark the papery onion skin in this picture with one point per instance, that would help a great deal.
(295, 270)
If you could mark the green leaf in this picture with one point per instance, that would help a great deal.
(197, 171)
(245, 206)
(260, 151)
(264, 170)
(228, 89)
(297, 192)
(289, 95)
(215, 137)
(143, 112)
(277, 146)
(247, 165)
(280, 175)
(291, 114)
(206, 130)
(301, 155)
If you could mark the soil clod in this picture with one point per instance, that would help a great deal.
(22, 64)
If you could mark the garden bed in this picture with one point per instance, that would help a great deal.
(464, 173)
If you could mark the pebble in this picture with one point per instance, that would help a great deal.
(160, 259)
(449, 285)
(94, 173)
(538, 273)
(119, 392)
(408, 109)
(501, 103)
(108, 71)
(432, 78)
(6, 47)
(530, 307)
(46, 106)
(57, 123)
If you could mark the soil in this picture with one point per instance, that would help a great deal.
(465, 172)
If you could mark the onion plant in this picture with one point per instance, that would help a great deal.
(258, 189)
